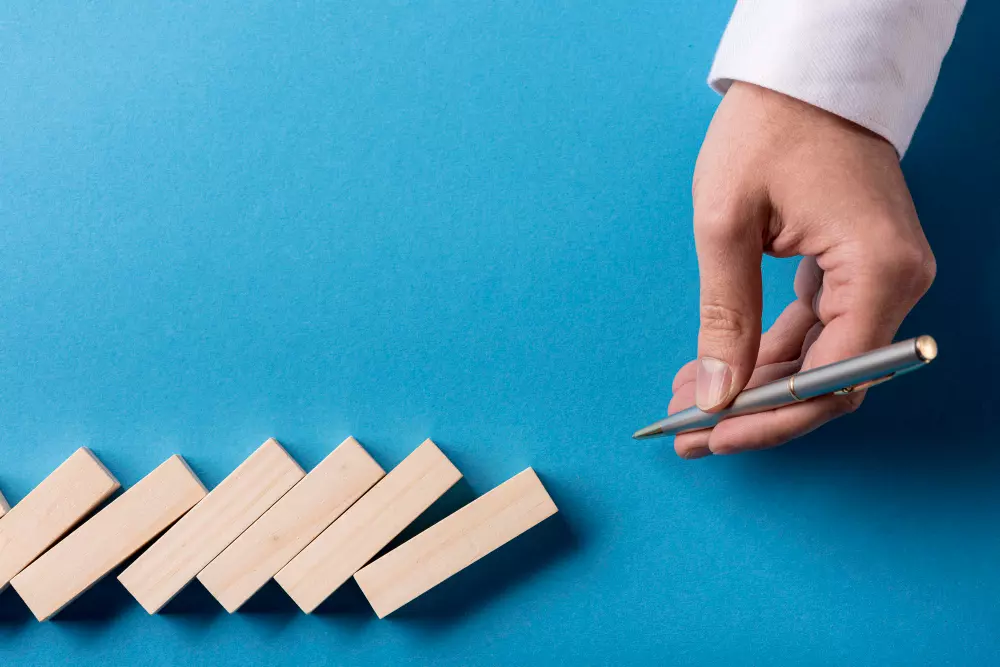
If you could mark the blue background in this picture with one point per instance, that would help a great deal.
(470, 221)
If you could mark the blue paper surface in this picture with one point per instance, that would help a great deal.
(225, 221)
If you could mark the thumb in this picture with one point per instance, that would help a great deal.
(730, 248)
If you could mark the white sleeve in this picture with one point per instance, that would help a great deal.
(873, 62)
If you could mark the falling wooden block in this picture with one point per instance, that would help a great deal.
(368, 526)
(4, 508)
(61, 501)
(156, 576)
(291, 524)
(455, 542)
(87, 554)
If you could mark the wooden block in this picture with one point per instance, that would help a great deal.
(61, 501)
(156, 576)
(370, 524)
(455, 542)
(87, 554)
(4, 508)
(291, 524)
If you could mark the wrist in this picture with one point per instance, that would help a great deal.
(785, 120)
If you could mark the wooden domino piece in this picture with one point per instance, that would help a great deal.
(61, 501)
(291, 524)
(87, 554)
(368, 526)
(167, 566)
(4, 508)
(455, 542)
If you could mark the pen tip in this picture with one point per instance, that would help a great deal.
(647, 432)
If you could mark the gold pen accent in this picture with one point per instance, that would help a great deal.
(791, 388)
(927, 348)
(864, 385)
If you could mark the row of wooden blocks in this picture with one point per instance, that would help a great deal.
(267, 519)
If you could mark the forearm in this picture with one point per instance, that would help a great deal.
(874, 62)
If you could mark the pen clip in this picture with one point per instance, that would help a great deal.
(864, 385)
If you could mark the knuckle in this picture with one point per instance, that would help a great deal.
(723, 323)
(905, 263)
(927, 271)
(912, 268)
(715, 228)
(721, 219)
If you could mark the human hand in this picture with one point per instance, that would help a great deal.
(778, 176)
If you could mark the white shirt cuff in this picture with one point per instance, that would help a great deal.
(873, 62)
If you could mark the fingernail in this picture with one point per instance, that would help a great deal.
(712, 386)
(695, 453)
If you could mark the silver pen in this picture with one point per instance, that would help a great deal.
(841, 377)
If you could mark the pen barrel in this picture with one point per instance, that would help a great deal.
(893, 359)
(759, 399)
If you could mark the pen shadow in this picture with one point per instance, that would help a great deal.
(936, 426)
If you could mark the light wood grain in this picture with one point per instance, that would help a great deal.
(156, 576)
(368, 526)
(291, 524)
(61, 501)
(4, 505)
(90, 552)
(455, 542)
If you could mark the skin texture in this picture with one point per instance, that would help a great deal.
(779, 176)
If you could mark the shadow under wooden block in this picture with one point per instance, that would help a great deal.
(193, 601)
(456, 542)
(14, 613)
(346, 605)
(270, 600)
(511, 566)
(453, 499)
(104, 602)
(516, 564)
